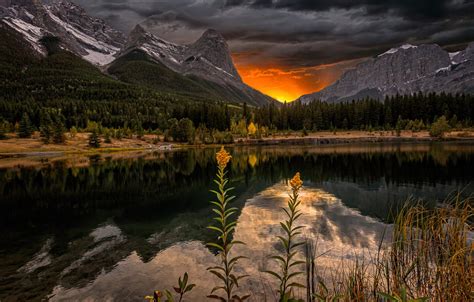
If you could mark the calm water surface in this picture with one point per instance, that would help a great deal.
(114, 229)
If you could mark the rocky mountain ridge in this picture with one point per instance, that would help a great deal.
(209, 57)
(88, 37)
(92, 39)
(407, 69)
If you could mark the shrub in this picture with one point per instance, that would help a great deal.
(59, 130)
(439, 127)
(185, 131)
(73, 132)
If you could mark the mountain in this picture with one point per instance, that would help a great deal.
(207, 62)
(202, 70)
(89, 38)
(407, 69)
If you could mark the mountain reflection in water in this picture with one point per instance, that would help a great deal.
(340, 232)
(118, 228)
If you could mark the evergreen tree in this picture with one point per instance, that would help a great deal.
(318, 119)
(399, 126)
(245, 113)
(94, 139)
(25, 129)
(3, 130)
(46, 126)
(59, 130)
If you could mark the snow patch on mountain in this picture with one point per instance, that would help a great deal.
(85, 36)
(98, 58)
(31, 33)
(216, 67)
(447, 68)
(453, 54)
(85, 39)
(29, 15)
(394, 50)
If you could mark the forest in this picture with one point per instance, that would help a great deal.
(137, 115)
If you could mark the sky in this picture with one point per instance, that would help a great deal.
(287, 48)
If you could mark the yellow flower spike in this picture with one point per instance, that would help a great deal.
(296, 182)
(223, 158)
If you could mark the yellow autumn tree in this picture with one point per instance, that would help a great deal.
(252, 129)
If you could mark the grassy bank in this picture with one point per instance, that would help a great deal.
(79, 143)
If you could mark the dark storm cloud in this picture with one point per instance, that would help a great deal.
(298, 32)
(408, 8)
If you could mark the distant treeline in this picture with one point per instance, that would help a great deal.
(143, 113)
(414, 112)
(365, 114)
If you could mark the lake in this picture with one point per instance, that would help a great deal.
(115, 228)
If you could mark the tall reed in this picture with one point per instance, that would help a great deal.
(432, 253)
(429, 257)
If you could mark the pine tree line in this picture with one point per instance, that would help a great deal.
(53, 118)
(369, 113)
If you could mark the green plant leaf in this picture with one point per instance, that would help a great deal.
(211, 227)
(295, 284)
(296, 263)
(189, 288)
(279, 258)
(294, 274)
(219, 275)
(274, 274)
(215, 297)
(235, 259)
(217, 246)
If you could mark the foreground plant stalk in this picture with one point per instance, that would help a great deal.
(225, 228)
(287, 262)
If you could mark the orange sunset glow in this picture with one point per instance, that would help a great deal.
(280, 84)
(287, 83)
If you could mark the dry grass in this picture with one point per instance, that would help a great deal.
(79, 143)
(430, 254)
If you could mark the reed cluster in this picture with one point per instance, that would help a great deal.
(428, 257)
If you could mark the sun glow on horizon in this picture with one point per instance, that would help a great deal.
(282, 85)
(287, 84)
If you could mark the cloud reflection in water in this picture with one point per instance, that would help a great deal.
(340, 231)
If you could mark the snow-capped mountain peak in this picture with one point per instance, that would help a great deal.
(88, 37)
(208, 57)
(403, 70)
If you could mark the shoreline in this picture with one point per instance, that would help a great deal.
(33, 147)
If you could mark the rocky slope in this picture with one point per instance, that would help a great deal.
(92, 39)
(208, 58)
(404, 70)
(85, 36)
